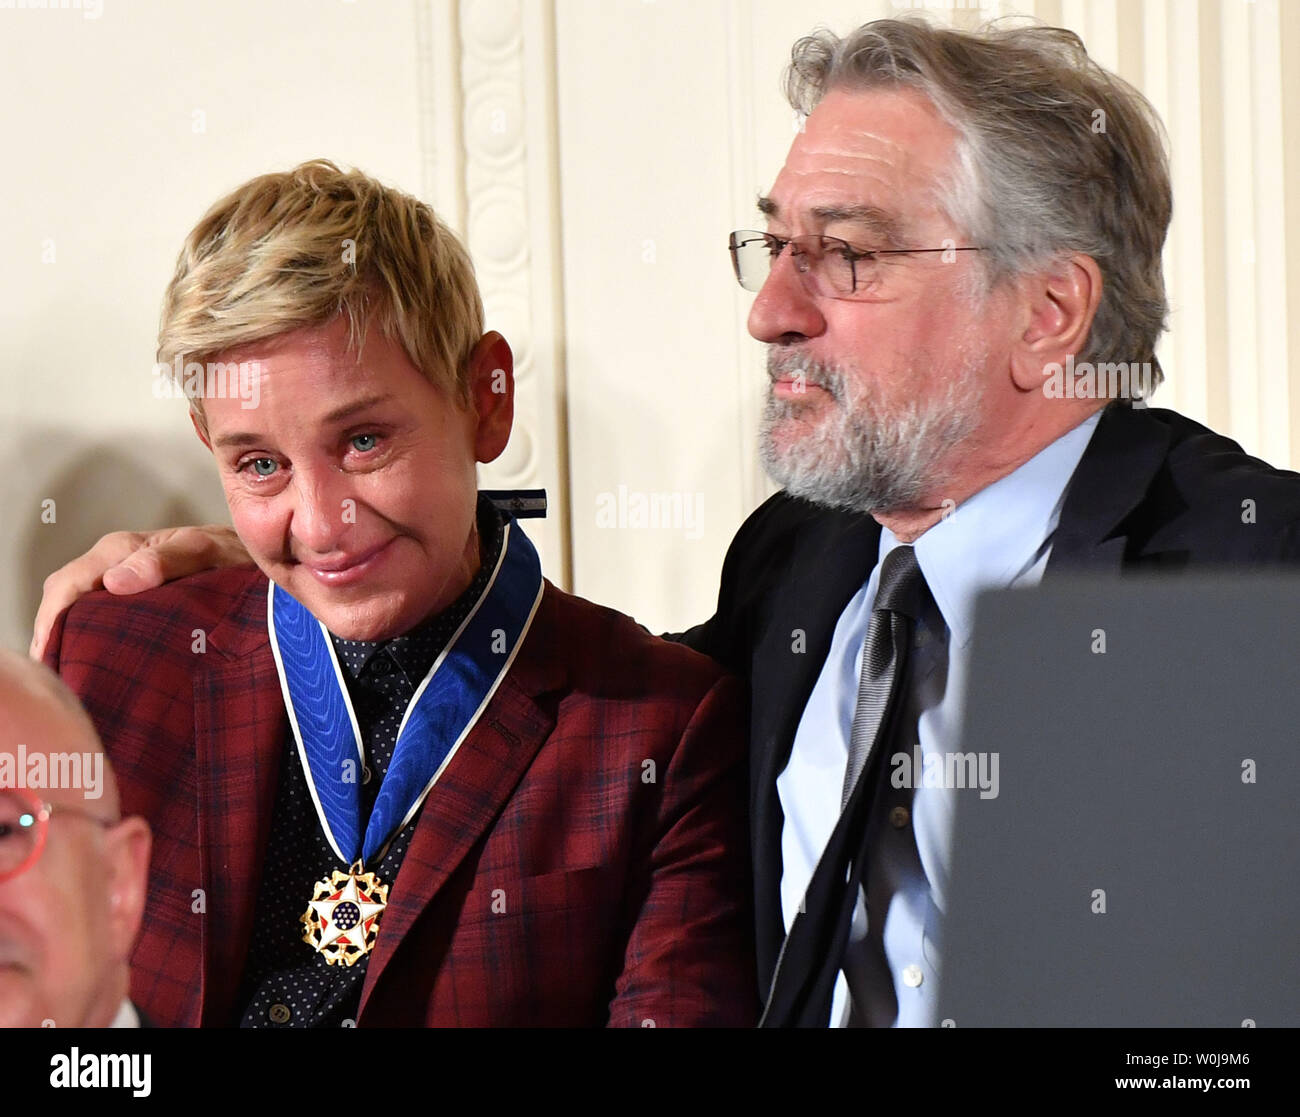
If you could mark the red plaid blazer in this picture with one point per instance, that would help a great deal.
(599, 800)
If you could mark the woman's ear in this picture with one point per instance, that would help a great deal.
(492, 394)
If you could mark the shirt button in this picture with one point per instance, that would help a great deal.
(382, 666)
(899, 817)
(280, 1014)
(912, 976)
(365, 774)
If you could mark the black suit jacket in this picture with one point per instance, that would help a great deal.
(1153, 491)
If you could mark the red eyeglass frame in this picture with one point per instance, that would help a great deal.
(43, 812)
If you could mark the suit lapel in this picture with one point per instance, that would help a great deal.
(1125, 452)
(475, 786)
(239, 732)
(834, 555)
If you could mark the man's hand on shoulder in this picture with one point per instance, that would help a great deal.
(126, 562)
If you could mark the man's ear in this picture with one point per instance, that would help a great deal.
(128, 846)
(198, 429)
(1062, 303)
(492, 394)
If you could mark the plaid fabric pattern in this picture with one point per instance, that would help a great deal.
(286, 984)
(583, 861)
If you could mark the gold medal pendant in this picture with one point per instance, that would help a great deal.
(342, 920)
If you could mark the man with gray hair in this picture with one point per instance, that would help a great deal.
(959, 282)
(962, 219)
(72, 870)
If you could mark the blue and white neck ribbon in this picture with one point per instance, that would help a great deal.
(445, 707)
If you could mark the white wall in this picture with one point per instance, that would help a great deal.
(595, 153)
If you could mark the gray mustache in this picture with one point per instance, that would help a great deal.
(815, 375)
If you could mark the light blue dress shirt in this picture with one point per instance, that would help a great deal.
(1000, 537)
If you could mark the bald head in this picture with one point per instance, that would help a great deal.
(73, 873)
(20, 674)
(43, 728)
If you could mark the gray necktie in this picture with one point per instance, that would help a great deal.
(803, 983)
(900, 596)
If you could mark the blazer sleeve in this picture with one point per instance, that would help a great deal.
(690, 956)
(54, 645)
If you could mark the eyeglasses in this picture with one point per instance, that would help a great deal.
(828, 266)
(24, 821)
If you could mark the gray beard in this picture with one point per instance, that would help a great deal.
(860, 458)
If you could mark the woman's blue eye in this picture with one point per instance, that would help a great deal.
(364, 443)
(263, 467)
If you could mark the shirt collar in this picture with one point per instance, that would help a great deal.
(126, 1017)
(999, 534)
(413, 651)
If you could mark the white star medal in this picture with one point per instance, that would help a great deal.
(342, 920)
